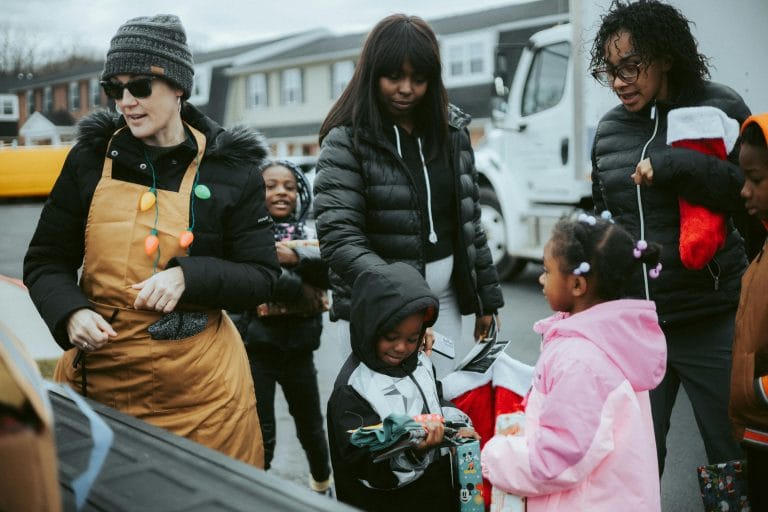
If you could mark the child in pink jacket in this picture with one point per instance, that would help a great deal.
(587, 442)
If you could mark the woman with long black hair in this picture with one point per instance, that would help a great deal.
(396, 182)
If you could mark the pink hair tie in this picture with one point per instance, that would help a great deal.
(655, 271)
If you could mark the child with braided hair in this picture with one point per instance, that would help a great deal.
(587, 441)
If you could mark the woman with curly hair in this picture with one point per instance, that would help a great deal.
(645, 52)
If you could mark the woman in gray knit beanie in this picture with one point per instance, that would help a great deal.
(165, 212)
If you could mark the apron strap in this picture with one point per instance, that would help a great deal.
(190, 177)
(106, 171)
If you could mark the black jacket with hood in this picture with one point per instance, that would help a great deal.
(681, 295)
(368, 212)
(367, 390)
(232, 262)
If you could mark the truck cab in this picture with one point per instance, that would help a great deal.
(534, 163)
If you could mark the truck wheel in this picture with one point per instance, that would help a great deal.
(508, 267)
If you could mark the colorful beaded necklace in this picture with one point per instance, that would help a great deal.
(149, 199)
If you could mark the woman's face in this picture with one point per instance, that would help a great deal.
(155, 119)
(651, 82)
(399, 94)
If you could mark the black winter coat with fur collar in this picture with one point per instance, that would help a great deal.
(231, 264)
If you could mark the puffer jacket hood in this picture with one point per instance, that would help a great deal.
(626, 330)
(235, 146)
(381, 298)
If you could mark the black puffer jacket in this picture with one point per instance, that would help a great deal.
(232, 263)
(681, 295)
(368, 213)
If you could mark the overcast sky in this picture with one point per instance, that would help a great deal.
(211, 24)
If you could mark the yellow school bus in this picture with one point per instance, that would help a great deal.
(28, 171)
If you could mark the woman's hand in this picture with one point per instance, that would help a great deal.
(161, 292)
(482, 324)
(643, 173)
(429, 340)
(88, 330)
(285, 255)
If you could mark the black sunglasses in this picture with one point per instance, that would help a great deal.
(138, 87)
(628, 73)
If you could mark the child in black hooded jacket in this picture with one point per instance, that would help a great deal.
(391, 308)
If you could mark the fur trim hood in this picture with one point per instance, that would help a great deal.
(235, 146)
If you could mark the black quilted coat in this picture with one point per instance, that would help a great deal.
(368, 213)
(232, 263)
(681, 295)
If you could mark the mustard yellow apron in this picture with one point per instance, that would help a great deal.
(198, 387)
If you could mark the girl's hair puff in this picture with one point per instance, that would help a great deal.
(659, 31)
(607, 247)
(393, 41)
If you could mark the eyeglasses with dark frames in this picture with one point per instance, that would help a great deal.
(628, 73)
(138, 87)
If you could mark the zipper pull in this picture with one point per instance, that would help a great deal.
(717, 282)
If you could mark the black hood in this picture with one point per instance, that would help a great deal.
(381, 298)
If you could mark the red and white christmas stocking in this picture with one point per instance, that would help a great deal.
(708, 130)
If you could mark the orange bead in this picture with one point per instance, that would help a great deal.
(151, 243)
(185, 239)
(147, 201)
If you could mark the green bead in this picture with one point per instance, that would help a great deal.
(202, 192)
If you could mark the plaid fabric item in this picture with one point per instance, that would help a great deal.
(724, 486)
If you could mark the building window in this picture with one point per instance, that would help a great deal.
(74, 96)
(257, 91)
(341, 74)
(291, 92)
(94, 93)
(30, 95)
(468, 59)
(8, 107)
(47, 100)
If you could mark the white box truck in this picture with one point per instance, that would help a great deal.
(534, 163)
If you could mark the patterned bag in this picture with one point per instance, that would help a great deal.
(724, 486)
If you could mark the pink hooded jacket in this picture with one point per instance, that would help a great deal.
(588, 440)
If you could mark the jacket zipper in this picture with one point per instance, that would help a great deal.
(641, 214)
(404, 168)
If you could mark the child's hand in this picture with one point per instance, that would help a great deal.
(468, 432)
(512, 430)
(435, 432)
(285, 255)
(434, 426)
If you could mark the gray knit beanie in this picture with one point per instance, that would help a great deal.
(154, 45)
